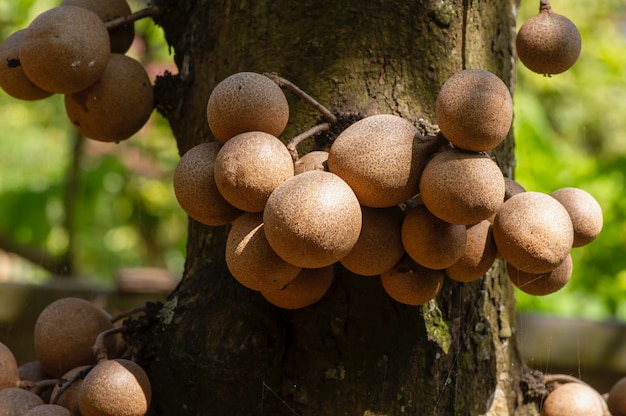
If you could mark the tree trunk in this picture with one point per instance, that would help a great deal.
(219, 348)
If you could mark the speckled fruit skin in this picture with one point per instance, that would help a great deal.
(48, 410)
(412, 284)
(115, 388)
(65, 331)
(585, 212)
(430, 241)
(246, 101)
(617, 398)
(313, 219)
(15, 401)
(65, 49)
(309, 286)
(548, 43)
(381, 159)
(379, 246)
(474, 110)
(249, 167)
(315, 160)
(9, 374)
(544, 283)
(117, 105)
(195, 188)
(69, 397)
(13, 80)
(462, 187)
(251, 260)
(533, 232)
(573, 399)
(478, 256)
(122, 37)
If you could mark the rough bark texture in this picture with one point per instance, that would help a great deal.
(220, 348)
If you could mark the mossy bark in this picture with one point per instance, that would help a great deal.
(220, 348)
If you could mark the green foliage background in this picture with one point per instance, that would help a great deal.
(570, 131)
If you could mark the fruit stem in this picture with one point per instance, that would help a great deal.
(544, 5)
(293, 143)
(38, 386)
(139, 14)
(142, 308)
(99, 349)
(66, 383)
(283, 83)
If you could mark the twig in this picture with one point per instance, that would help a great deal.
(35, 255)
(283, 83)
(67, 383)
(99, 349)
(150, 11)
(37, 386)
(142, 308)
(293, 143)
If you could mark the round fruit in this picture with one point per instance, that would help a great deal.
(65, 331)
(548, 43)
(379, 246)
(511, 187)
(247, 101)
(117, 105)
(9, 374)
(249, 167)
(16, 402)
(313, 219)
(69, 397)
(315, 160)
(13, 80)
(122, 37)
(307, 288)
(478, 256)
(412, 284)
(617, 398)
(32, 371)
(251, 260)
(461, 187)
(533, 232)
(543, 283)
(573, 399)
(195, 189)
(65, 49)
(430, 241)
(585, 212)
(48, 410)
(474, 110)
(381, 159)
(115, 388)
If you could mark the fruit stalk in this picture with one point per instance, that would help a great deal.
(544, 5)
(294, 142)
(139, 14)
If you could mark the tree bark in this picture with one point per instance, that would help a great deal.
(218, 348)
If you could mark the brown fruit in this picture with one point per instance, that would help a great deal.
(379, 246)
(511, 187)
(543, 283)
(65, 49)
(533, 232)
(412, 284)
(430, 241)
(246, 101)
(9, 374)
(249, 167)
(48, 410)
(313, 219)
(585, 212)
(69, 396)
(13, 80)
(381, 158)
(195, 188)
(315, 160)
(573, 399)
(32, 371)
(117, 105)
(617, 398)
(307, 288)
(122, 37)
(115, 388)
(548, 43)
(251, 260)
(474, 110)
(461, 187)
(65, 331)
(16, 402)
(478, 256)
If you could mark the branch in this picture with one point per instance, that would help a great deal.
(283, 83)
(35, 255)
(293, 143)
(139, 14)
